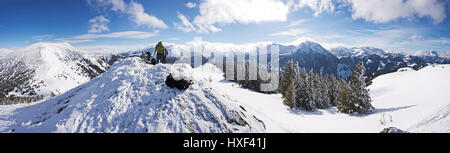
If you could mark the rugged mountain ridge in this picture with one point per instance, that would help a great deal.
(341, 61)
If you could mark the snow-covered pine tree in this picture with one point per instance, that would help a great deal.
(287, 84)
(316, 91)
(304, 92)
(334, 86)
(324, 91)
(358, 85)
(345, 104)
(359, 99)
(289, 94)
(296, 72)
(297, 83)
(286, 75)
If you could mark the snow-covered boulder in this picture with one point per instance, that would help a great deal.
(132, 97)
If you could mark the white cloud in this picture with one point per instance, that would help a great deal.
(42, 37)
(135, 10)
(98, 24)
(386, 37)
(116, 5)
(296, 23)
(378, 11)
(93, 36)
(191, 5)
(139, 16)
(213, 12)
(416, 39)
(125, 34)
(4, 51)
(318, 6)
(332, 45)
(383, 11)
(185, 24)
(71, 41)
(174, 39)
(291, 32)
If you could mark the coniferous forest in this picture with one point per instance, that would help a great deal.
(310, 91)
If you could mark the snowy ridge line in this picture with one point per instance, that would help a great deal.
(132, 97)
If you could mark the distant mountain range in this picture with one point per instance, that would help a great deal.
(45, 68)
(312, 55)
(341, 61)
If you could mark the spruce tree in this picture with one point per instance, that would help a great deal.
(315, 89)
(358, 85)
(334, 86)
(304, 92)
(287, 84)
(345, 104)
(289, 94)
(323, 92)
(286, 75)
(357, 95)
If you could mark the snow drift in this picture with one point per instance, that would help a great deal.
(132, 97)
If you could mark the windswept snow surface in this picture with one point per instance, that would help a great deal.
(132, 97)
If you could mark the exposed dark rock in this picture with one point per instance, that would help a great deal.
(179, 84)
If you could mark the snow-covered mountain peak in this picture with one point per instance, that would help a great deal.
(46, 68)
(49, 53)
(132, 97)
(311, 46)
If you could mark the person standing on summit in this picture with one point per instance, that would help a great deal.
(161, 53)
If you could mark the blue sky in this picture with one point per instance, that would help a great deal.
(389, 24)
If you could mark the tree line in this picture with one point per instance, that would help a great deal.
(310, 91)
(19, 100)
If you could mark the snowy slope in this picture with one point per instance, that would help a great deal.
(44, 68)
(132, 97)
(416, 101)
(418, 95)
(436, 122)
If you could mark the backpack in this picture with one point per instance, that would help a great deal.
(160, 48)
